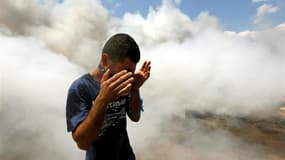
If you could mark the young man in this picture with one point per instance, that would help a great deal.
(98, 102)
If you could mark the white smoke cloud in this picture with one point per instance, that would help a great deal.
(156, 27)
(263, 11)
(195, 65)
(20, 15)
(166, 23)
(34, 82)
(83, 24)
(79, 27)
(214, 72)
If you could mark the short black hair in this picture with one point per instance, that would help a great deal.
(121, 46)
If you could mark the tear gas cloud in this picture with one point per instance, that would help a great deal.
(195, 65)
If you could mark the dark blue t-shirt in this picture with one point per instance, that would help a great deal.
(113, 142)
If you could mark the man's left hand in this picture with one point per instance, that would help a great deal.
(141, 76)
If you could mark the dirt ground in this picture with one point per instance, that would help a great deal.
(253, 138)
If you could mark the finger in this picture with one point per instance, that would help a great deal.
(106, 75)
(144, 65)
(147, 71)
(124, 84)
(117, 75)
(125, 90)
(148, 66)
(121, 79)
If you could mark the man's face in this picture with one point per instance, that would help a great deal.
(117, 66)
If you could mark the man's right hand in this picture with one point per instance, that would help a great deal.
(114, 87)
(111, 89)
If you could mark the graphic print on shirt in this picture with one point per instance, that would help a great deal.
(116, 111)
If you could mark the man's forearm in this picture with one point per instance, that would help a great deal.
(89, 129)
(135, 106)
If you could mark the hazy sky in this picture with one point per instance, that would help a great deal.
(234, 15)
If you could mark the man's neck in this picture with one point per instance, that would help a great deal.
(97, 74)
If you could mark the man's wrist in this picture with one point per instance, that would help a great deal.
(102, 100)
(140, 106)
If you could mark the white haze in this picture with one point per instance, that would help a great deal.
(195, 65)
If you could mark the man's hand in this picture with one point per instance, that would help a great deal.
(141, 76)
(118, 85)
(110, 89)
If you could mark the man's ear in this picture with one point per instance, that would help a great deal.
(105, 60)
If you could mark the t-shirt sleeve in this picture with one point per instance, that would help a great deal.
(77, 107)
